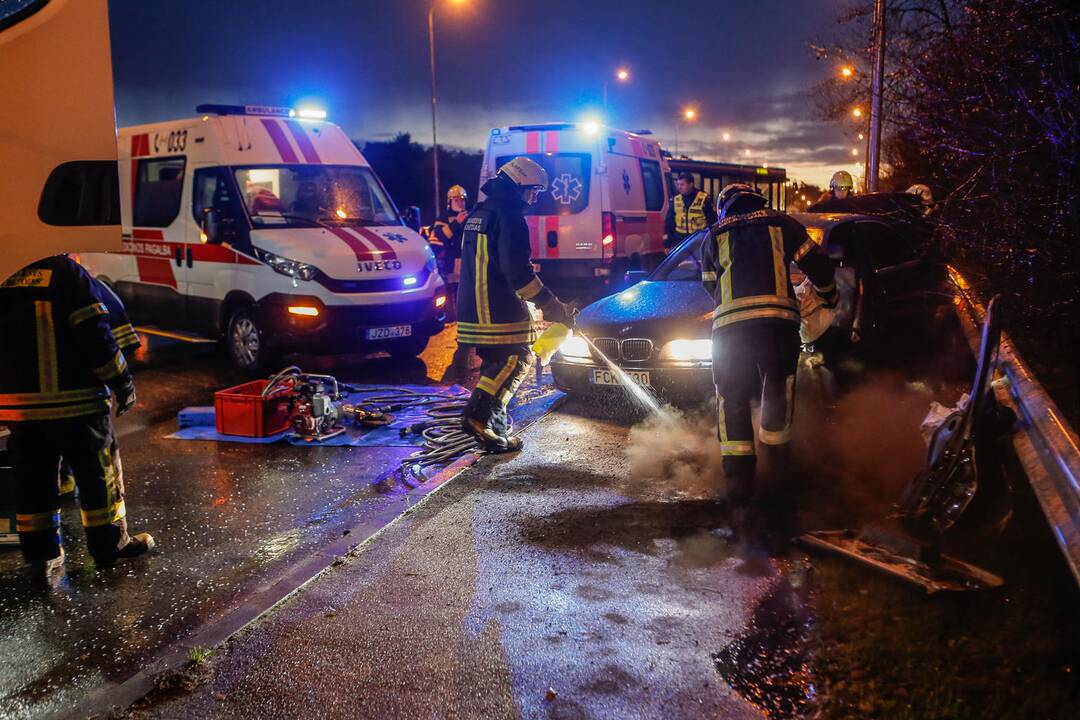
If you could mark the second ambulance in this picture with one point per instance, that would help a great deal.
(271, 231)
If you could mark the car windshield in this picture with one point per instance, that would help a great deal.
(296, 195)
(684, 262)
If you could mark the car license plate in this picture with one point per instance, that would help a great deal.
(607, 377)
(394, 331)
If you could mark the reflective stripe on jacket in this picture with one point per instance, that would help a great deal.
(58, 353)
(690, 219)
(745, 267)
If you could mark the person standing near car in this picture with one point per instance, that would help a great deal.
(841, 187)
(497, 282)
(445, 237)
(59, 364)
(745, 261)
(689, 212)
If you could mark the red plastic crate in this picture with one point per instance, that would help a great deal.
(242, 410)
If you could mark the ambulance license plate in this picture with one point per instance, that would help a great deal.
(394, 331)
(607, 377)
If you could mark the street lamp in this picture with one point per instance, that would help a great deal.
(688, 114)
(847, 72)
(434, 133)
(856, 112)
(621, 75)
(726, 137)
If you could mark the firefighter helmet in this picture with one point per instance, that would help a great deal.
(841, 180)
(922, 191)
(525, 173)
(456, 192)
(738, 198)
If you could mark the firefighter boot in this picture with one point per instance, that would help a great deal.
(137, 545)
(48, 573)
(489, 437)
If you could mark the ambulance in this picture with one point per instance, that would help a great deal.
(603, 212)
(268, 229)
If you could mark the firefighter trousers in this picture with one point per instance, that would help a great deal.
(503, 369)
(87, 444)
(753, 360)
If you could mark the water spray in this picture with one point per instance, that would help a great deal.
(639, 392)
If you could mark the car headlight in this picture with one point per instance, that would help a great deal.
(687, 350)
(575, 347)
(285, 266)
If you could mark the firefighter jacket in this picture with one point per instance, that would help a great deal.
(496, 272)
(688, 214)
(744, 266)
(445, 240)
(123, 331)
(58, 356)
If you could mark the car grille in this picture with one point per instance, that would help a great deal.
(636, 349)
(608, 346)
(631, 349)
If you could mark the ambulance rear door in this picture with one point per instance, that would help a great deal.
(58, 184)
(636, 191)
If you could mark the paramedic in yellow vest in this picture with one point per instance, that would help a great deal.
(688, 212)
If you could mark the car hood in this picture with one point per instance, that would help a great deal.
(660, 310)
(349, 253)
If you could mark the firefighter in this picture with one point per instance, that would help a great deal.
(497, 281)
(445, 236)
(59, 364)
(688, 212)
(128, 342)
(745, 261)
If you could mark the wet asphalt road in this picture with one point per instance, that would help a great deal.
(227, 518)
(588, 577)
(591, 576)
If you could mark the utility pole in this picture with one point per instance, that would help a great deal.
(874, 139)
(434, 135)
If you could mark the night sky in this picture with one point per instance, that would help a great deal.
(745, 66)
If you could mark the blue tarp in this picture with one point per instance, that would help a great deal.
(197, 423)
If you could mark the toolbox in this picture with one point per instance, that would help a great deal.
(242, 410)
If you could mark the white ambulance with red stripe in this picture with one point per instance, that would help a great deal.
(268, 229)
(603, 211)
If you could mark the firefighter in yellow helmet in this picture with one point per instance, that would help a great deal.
(497, 281)
(445, 236)
(688, 212)
(59, 366)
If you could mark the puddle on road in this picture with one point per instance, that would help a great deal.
(770, 664)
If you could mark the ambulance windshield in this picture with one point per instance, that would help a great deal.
(299, 195)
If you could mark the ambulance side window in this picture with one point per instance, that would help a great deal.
(158, 185)
(653, 181)
(213, 189)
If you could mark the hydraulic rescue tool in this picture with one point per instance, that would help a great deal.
(317, 410)
(937, 497)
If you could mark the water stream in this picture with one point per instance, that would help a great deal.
(639, 393)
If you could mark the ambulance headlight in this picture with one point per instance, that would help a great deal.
(285, 266)
(688, 350)
(574, 347)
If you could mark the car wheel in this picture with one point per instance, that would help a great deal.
(408, 348)
(245, 342)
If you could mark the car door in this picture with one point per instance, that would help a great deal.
(158, 240)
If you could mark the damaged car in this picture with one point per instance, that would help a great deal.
(659, 329)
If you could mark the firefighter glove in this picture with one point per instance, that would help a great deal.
(557, 311)
(125, 398)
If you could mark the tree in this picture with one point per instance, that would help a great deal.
(982, 103)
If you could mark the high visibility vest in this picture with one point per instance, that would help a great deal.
(692, 219)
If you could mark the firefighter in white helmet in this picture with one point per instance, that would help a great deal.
(841, 185)
(497, 280)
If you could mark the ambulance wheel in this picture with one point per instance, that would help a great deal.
(409, 348)
(245, 342)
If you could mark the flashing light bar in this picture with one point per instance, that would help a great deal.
(309, 114)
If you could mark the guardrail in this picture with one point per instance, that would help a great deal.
(1047, 447)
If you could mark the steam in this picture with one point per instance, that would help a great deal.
(672, 450)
